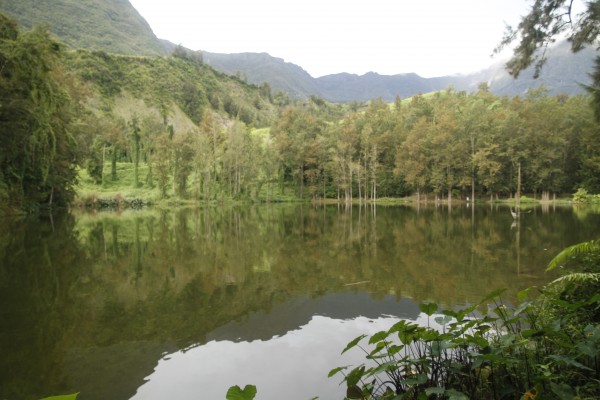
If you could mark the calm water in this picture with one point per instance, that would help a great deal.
(184, 304)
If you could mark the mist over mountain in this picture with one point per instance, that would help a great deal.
(115, 26)
(565, 72)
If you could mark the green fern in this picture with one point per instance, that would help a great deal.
(573, 252)
(577, 277)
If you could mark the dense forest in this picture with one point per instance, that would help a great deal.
(187, 131)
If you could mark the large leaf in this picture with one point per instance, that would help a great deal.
(63, 397)
(569, 361)
(562, 390)
(434, 390)
(355, 375)
(353, 343)
(379, 336)
(443, 320)
(235, 393)
(456, 395)
(493, 295)
(354, 392)
(428, 308)
(336, 370)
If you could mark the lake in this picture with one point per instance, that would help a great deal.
(183, 304)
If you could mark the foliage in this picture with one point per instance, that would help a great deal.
(582, 196)
(236, 393)
(184, 81)
(502, 353)
(546, 21)
(445, 144)
(62, 397)
(35, 120)
(112, 26)
(189, 128)
(547, 347)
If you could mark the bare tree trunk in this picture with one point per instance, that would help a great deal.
(518, 194)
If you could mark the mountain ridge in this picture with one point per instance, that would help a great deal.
(117, 27)
(565, 72)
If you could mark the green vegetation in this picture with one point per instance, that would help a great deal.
(546, 21)
(546, 347)
(110, 25)
(236, 393)
(442, 146)
(62, 397)
(173, 129)
(36, 120)
(582, 196)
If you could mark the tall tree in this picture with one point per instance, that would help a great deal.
(37, 150)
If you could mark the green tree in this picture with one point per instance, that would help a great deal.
(136, 138)
(210, 150)
(412, 158)
(37, 150)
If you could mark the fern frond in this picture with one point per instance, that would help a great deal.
(572, 252)
(577, 277)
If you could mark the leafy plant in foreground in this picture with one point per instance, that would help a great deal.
(489, 351)
(546, 348)
(237, 393)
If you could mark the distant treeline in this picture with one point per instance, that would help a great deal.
(445, 144)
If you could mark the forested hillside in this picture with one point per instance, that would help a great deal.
(114, 26)
(155, 128)
(68, 110)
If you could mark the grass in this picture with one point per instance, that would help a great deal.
(90, 194)
(122, 193)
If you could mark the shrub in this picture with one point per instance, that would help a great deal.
(547, 347)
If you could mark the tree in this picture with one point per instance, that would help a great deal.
(36, 149)
(136, 139)
(412, 158)
(209, 149)
(546, 21)
(183, 156)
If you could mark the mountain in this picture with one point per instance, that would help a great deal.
(346, 87)
(564, 72)
(114, 26)
(261, 67)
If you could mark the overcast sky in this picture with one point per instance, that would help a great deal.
(429, 37)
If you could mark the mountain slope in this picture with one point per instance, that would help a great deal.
(261, 67)
(114, 26)
(564, 72)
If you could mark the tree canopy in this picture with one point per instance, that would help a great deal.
(37, 151)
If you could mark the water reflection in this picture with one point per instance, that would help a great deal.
(90, 303)
(270, 350)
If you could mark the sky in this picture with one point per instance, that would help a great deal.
(427, 37)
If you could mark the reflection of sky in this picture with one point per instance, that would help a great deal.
(292, 366)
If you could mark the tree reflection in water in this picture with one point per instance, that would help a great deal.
(91, 302)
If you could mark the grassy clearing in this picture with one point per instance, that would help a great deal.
(122, 193)
(91, 194)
